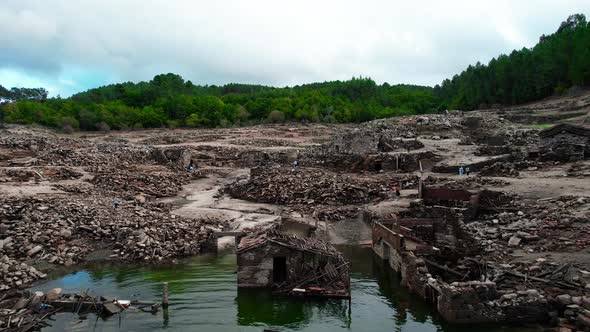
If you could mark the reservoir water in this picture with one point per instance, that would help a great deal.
(204, 297)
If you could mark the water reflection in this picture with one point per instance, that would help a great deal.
(404, 303)
(261, 308)
(258, 308)
(204, 297)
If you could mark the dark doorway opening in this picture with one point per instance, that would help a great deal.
(386, 250)
(279, 269)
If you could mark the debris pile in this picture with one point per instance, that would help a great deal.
(540, 227)
(306, 186)
(98, 155)
(131, 183)
(503, 169)
(37, 140)
(63, 231)
(579, 170)
(388, 134)
(28, 311)
(465, 182)
(383, 135)
(262, 142)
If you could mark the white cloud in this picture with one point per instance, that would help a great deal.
(74, 45)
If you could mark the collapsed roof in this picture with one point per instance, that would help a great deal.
(308, 244)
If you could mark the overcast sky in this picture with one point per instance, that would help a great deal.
(69, 46)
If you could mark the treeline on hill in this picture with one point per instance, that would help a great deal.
(19, 94)
(169, 100)
(558, 62)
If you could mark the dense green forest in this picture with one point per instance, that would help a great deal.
(558, 62)
(169, 100)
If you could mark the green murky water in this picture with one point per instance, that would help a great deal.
(204, 297)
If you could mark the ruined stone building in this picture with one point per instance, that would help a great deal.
(432, 253)
(566, 142)
(293, 265)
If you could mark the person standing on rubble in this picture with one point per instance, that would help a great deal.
(116, 202)
(467, 171)
(296, 161)
(461, 170)
(395, 189)
(191, 166)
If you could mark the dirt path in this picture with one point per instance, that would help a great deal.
(201, 198)
(548, 183)
(40, 186)
(537, 188)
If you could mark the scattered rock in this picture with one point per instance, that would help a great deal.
(514, 241)
(53, 294)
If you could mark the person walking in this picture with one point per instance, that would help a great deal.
(116, 202)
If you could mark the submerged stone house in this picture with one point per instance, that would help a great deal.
(566, 142)
(292, 265)
(429, 251)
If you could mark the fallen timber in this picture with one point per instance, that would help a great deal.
(329, 283)
(30, 311)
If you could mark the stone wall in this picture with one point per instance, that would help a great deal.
(446, 168)
(176, 156)
(407, 162)
(420, 228)
(459, 302)
(471, 302)
(255, 267)
(357, 141)
(415, 274)
(566, 147)
(449, 231)
(445, 194)
(388, 245)
(480, 302)
(465, 302)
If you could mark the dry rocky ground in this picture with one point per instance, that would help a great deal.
(57, 191)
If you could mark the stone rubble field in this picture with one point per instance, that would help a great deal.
(57, 194)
